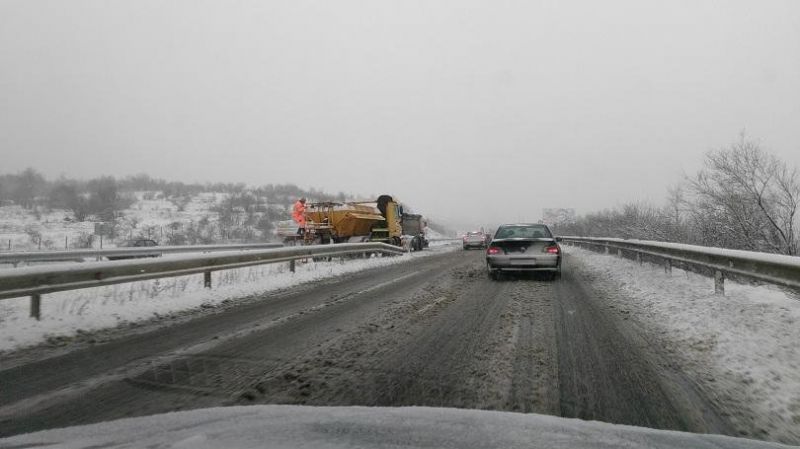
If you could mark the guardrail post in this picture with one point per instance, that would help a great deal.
(292, 265)
(719, 282)
(207, 279)
(639, 257)
(668, 266)
(619, 252)
(607, 248)
(36, 306)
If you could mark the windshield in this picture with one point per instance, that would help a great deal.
(524, 232)
(259, 211)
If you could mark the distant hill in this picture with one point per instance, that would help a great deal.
(39, 214)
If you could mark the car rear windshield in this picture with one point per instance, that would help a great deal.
(523, 232)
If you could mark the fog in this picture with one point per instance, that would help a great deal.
(471, 112)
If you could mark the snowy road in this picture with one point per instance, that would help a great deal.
(436, 332)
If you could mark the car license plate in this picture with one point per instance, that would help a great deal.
(529, 261)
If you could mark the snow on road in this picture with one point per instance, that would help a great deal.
(65, 314)
(743, 346)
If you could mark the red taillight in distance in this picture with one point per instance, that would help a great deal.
(553, 249)
(492, 250)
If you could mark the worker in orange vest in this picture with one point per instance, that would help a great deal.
(299, 215)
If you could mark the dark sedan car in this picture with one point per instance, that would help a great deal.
(524, 248)
(136, 243)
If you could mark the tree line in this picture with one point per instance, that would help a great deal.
(101, 197)
(743, 197)
(104, 197)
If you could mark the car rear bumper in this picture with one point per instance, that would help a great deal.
(506, 263)
(525, 269)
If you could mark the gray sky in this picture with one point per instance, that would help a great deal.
(471, 111)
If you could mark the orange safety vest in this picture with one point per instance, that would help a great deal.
(298, 214)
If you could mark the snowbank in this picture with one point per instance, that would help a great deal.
(743, 345)
(67, 313)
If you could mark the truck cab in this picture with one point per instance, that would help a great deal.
(391, 230)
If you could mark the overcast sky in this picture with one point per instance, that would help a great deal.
(470, 111)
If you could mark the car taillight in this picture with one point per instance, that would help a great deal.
(493, 250)
(551, 249)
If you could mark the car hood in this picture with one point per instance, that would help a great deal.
(284, 426)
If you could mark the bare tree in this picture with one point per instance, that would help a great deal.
(675, 213)
(746, 198)
(23, 188)
(632, 220)
(66, 194)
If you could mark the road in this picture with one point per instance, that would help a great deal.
(436, 332)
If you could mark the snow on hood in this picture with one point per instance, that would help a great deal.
(285, 426)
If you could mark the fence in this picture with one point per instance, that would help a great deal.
(36, 281)
(771, 268)
(80, 255)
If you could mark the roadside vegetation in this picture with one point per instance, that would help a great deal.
(54, 214)
(37, 213)
(742, 198)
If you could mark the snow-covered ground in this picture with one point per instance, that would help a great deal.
(437, 239)
(66, 313)
(151, 210)
(745, 345)
(149, 216)
(286, 426)
(22, 230)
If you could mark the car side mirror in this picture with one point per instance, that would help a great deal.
(558, 239)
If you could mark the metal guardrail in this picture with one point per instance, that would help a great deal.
(771, 268)
(38, 280)
(15, 258)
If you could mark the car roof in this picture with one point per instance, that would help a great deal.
(508, 225)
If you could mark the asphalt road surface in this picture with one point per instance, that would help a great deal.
(435, 332)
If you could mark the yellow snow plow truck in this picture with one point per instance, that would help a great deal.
(398, 228)
(366, 221)
(328, 222)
